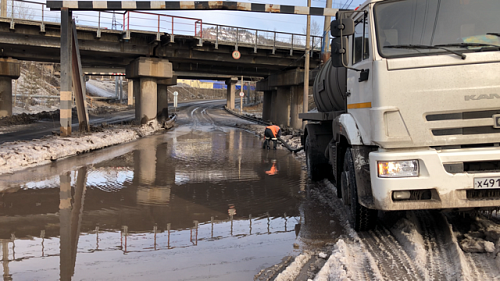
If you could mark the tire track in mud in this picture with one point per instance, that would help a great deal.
(483, 266)
(391, 258)
(442, 263)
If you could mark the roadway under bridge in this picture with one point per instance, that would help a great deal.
(153, 59)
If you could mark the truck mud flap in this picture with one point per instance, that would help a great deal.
(360, 154)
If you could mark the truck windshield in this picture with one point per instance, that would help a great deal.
(460, 25)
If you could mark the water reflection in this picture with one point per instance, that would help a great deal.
(210, 192)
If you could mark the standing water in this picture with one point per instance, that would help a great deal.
(185, 205)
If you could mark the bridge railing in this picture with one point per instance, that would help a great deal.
(257, 38)
(136, 20)
(161, 23)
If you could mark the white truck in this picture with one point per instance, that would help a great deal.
(409, 108)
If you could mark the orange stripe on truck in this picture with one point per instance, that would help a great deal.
(359, 105)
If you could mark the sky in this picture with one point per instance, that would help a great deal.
(273, 22)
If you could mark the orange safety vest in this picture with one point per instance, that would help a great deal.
(274, 129)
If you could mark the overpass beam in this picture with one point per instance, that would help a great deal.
(9, 69)
(149, 72)
(231, 92)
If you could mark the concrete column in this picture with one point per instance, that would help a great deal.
(66, 91)
(9, 69)
(5, 96)
(136, 90)
(162, 103)
(130, 92)
(296, 107)
(267, 107)
(231, 92)
(148, 71)
(274, 111)
(148, 99)
(282, 106)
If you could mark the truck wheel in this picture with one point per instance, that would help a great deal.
(362, 218)
(344, 188)
(317, 165)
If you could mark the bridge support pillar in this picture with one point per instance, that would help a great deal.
(282, 106)
(130, 92)
(267, 106)
(147, 100)
(296, 107)
(162, 98)
(149, 72)
(9, 69)
(231, 92)
(162, 105)
(287, 102)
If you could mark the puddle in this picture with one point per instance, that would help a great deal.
(201, 202)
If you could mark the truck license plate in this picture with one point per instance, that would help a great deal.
(493, 182)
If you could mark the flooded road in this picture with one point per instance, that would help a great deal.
(200, 202)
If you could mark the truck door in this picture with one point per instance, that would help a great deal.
(359, 83)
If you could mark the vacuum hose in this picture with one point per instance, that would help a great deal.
(289, 148)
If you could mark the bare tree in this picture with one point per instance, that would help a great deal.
(21, 10)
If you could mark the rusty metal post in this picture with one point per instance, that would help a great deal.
(66, 92)
(79, 84)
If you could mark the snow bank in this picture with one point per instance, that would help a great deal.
(349, 261)
(293, 270)
(18, 155)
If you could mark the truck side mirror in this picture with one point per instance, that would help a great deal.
(340, 47)
(344, 25)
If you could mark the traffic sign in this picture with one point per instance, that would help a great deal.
(236, 55)
(242, 94)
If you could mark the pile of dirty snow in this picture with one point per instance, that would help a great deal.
(18, 155)
(484, 237)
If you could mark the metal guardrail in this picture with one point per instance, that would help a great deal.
(161, 23)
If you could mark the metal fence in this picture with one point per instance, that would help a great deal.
(160, 24)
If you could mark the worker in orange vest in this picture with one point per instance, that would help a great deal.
(272, 132)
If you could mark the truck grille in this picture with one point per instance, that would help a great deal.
(473, 167)
(463, 123)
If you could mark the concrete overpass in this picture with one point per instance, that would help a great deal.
(153, 59)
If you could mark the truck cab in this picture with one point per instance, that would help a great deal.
(419, 127)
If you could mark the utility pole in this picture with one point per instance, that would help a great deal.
(241, 97)
(306, 64)
(326, 38)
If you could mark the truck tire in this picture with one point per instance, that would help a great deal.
(318, 167)
(362, 218)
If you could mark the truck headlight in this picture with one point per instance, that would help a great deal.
(398, 169)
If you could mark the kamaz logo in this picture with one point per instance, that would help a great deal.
(482, 97)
